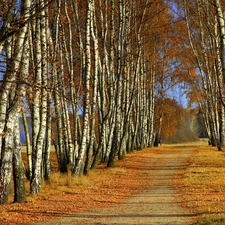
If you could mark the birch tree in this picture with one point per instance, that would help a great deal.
(88, 71)
(10, 99)
(106, 83)
(79, 161)
(18, 167)
(221, 27)
(119, 76)
(39, 104)
(220, 44)
(204, 44)
(93, 106)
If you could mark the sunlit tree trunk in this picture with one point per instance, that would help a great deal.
(106, 85)
(11, 159)
(118, 92)
(221, 69)
(40, 96)
(93, 110)
(47, 144)
(79, 162)
(23, 112)
(151, 105)
(9, 98)
(58, 86)
(18, 167)
(67, 136)
(28, 144)
(128, 79)
(158, 127)
(221, 22)
(48, 133)
(75, 96)
(73, 90)
(58, 143)
(7, 157)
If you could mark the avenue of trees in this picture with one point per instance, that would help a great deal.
(90, 78)
(201, 28)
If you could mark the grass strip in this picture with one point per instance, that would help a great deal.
(202, 185)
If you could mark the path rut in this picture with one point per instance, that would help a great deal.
(158, 205)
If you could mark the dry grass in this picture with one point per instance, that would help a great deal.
(65, 195)
(203, 185)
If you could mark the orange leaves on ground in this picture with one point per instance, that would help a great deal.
(65, 195)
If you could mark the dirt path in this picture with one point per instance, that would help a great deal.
(158, 205)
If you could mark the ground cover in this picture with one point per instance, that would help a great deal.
(202, 185)
(66, 195)
(156, 205)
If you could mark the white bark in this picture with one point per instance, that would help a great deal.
(10, 97)
(79, 162)
(40, 96)
(18, 167)
(221, 21)
(93, 107)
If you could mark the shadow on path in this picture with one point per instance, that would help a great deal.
(158, 205)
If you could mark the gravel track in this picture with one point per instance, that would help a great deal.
(158, 205)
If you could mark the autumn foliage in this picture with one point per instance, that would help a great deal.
(171, 113)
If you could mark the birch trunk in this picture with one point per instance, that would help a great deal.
(106, 86)
(28, 145)
(47, 144)
(40, 96)
(79, 162)
(92, 140)
(221, 69)
(9, 147)
(6, 159)
(118, 93)
(58, 81)
(151, 106)
(9, 105)
(77, 125)
(18, 168)
(221, 21)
